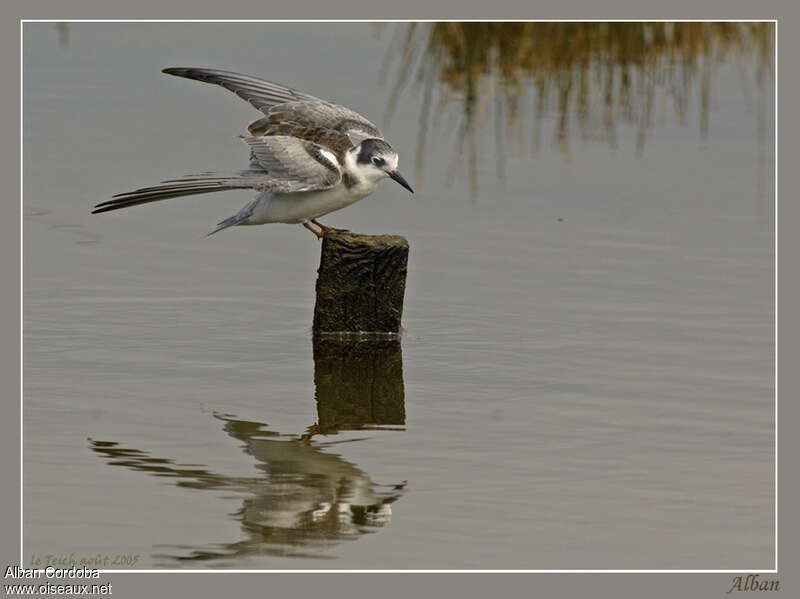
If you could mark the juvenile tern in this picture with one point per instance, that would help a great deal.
(308, 157)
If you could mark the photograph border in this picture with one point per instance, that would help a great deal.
(22, 23)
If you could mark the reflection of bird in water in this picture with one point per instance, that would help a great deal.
(308, 157)
(306, 500)
(319, 492)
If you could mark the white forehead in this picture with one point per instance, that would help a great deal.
(392, 160)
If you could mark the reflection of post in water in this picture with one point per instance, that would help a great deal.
(63, 34)
(305, 499)
(359, 381)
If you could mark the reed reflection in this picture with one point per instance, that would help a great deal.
(589, 77)
(307, 498)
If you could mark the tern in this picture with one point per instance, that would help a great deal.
(308, 157)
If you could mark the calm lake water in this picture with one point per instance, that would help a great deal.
(585, 380)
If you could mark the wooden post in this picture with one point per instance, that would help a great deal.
(360, 284)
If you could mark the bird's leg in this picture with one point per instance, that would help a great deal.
(326, 230)
(319, 234)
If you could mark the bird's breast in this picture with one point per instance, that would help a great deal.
(357, 186)
(302, 206)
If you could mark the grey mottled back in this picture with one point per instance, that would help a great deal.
(290, 112)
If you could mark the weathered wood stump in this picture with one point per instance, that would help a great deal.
(360, 284)
(358, 381)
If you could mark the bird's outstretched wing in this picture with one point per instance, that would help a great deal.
(288, 111)
(260, 93)
(279, 164)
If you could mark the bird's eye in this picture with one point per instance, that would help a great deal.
(378, 161)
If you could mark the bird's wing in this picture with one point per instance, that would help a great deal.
(258, 92)
(320, 118)
(286, 108)
(294, 164)
(279, 164)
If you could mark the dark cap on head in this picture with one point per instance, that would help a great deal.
(373, 147)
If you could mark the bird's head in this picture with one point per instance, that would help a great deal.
(376, 160)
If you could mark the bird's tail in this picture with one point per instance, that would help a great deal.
(237, 219)
(185, 186)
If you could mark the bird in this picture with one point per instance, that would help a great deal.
(308, 157)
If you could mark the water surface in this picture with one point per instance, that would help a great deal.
(585, 379)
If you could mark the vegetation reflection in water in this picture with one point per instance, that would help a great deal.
(595, 74)
(308, 499)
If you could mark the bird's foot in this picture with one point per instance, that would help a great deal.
(325, 230)
(319, 234)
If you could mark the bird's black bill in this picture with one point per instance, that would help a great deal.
(399, 178)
